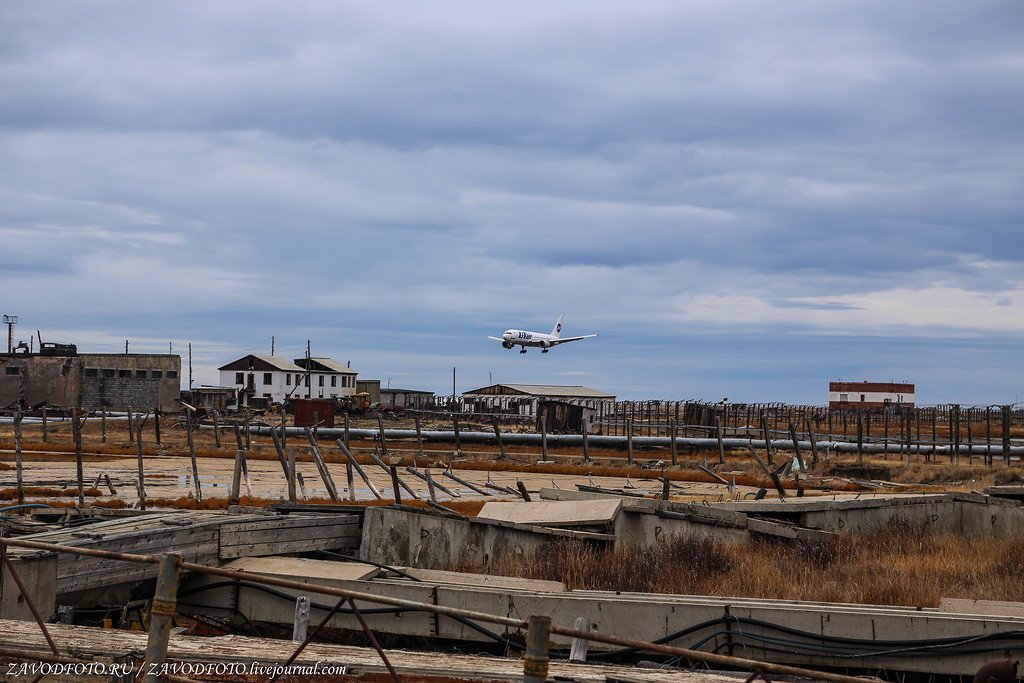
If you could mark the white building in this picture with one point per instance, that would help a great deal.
(278, 379)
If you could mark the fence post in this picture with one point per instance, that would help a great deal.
(301, 619)
(45, 430)
(161, 614)
(578, 650)
(538, 639)
(1006, 435)
(17, 456)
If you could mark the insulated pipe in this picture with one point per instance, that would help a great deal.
(649, 441)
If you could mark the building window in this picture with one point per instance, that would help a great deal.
(157, 374)
(108, 373)
(288, 379)
(13, 370)
(268, 378)
(266, 395)
(334, 380)
(321, 380)
(124, 373)
(239, 378)
(844, 397)
(92, 372)
(307, 381)
(141, 374)
(862, 398)
(172, 374)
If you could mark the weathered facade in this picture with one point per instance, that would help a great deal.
(278, 379)
(114, 381)
(869, 395)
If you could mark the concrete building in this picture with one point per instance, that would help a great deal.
(69, 379)
(523, 399)
(371, 387)
(407, 398)
(869, 395)
(277, 379)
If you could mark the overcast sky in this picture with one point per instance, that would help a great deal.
(746, 199)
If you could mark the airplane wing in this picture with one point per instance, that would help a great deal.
(555, 342)
(496, 338)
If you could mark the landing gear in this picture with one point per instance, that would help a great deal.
(523, 350)
(544, 350)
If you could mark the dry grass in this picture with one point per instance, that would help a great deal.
(896, 565)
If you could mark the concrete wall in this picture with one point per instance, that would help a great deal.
(398, 537)
(959, 513)
(34, 379)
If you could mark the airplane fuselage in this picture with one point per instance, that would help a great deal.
(526, 338)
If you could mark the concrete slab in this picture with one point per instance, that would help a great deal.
(301, 568)
(437, 576)
(995, 608)
(554, 512)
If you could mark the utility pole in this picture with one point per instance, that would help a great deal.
(126, 347)
(453, 384)
(309, 366)
(272, 345)
(170, 348)
(190, 366)
(10, 321)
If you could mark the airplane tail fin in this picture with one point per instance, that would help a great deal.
(556, 331)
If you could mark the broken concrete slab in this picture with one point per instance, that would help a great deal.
(597, 512)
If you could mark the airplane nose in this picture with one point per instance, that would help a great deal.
(507, 336)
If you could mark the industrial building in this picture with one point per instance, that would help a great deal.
(275, 379)
(869, 395)
(60, 376)
(524, 399)
(417, 399)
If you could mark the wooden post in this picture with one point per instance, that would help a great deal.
(142, 474)
(76, 431)
(383, 441)
(282, 457)
(796, 448)
(394, 484)
(355, 464)
(45, 429)
(629, 442)
(103, 425)
(156, 425)
(673, 449)
(935, 431)
(988, 436)
(885, 439)
(497, 436)
(721, 445)
(544, 437)
(578, 649)
(860, 437)
(455, 426)
(664, 485)
(1007, 415)
(586, 440)
(248, 442)
(284, 429)
(349, 475)
(767, 438)
(236, 476)
(430, 485)
(161, 616)
(131, 431)
(301, 624)
(216, 429)
(954, 433)
(522, 490)
(291, 474)
(970, 435)
(321, 466)
(190, 427)
(396, 481)
(814, 443)
(419, 440)
(17, 456)
(538, 643)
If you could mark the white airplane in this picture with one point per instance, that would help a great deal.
(512, 338)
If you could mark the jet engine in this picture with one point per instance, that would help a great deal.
(545, 344)
(507, 344)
